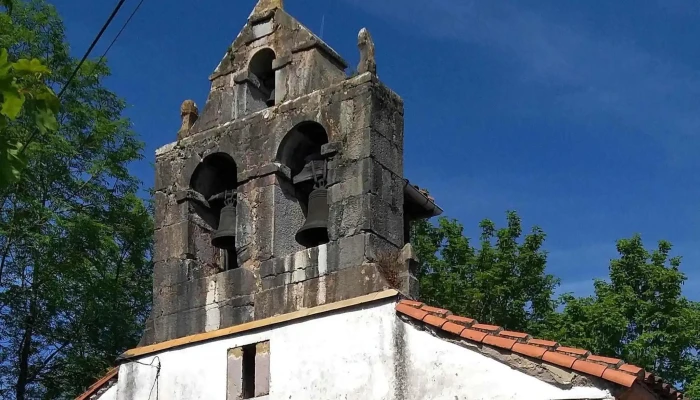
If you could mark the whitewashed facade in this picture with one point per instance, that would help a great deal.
(365, 352)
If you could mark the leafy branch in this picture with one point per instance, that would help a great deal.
(22, 93)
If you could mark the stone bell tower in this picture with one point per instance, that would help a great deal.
(286, 191)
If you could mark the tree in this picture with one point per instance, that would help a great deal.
(503, 281)
(75, 238)
(639, 315)
(22, 90)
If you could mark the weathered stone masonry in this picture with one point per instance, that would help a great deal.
(244, 142)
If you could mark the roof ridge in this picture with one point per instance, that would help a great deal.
(580, 360)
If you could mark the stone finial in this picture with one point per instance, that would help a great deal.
(366, 45)
(264, 6)
(189, 114)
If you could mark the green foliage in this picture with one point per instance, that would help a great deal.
(22, 89)
(639, 315)
(74, 236)
(502, 281)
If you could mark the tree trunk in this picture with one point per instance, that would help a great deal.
(24, 352)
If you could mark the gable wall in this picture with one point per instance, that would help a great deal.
(364, 353)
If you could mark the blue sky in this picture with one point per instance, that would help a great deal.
(582, 116)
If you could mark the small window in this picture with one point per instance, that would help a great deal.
(248, 371)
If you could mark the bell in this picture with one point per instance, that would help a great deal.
(271, 100)
(315, 230)
(225, 236)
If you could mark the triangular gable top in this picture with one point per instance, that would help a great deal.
(285, 34)
(626, 376)
(264, 6)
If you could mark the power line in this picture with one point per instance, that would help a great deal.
(102, 57)
(92, 46)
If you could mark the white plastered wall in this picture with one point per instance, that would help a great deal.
(109, 394)
(348, 354)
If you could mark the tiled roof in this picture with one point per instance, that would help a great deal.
(102, 383)
(579, 360)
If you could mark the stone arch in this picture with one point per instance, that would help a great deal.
(300, 146)
(301, 142)
(217, 173)
(261, 67)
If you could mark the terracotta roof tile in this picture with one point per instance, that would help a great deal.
(574, 351)
(499, 342)
(434, 310)
(609, 361)
(471, 334)
(559, 359)
(462, 320)
(589, 368)
(632, 369)
(529, 350)
(416, 304)
(579, 360)
(434, 321)
(520, 336)
(543, 343)
(453, 328)
(411, 312)
(493, 329)
(619, 377)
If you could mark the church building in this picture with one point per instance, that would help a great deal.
(283, 268)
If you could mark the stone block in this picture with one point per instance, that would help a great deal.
(270, 302)
(288, 218)
(200, 244)
(231, 316)
(234, 283)
(387, 114)
(365, 176)
(365, 213)
(314, 71)
(196, 294)
(272, 267)
(347, 252)
(164, 173)
(281, 62)
(279, 300)
(248, 99)
(168, 211)
(172, 242)
(356, 281)
(165, 328)
(366, 142)
(384, 220)
(165, 301)
(345, 217)
(262, 29)
(211, 113)
(191, 322)
(377, 246)
(277, 280)
(170, 272)
(264, 222)
(245, 226)
(239, 301)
